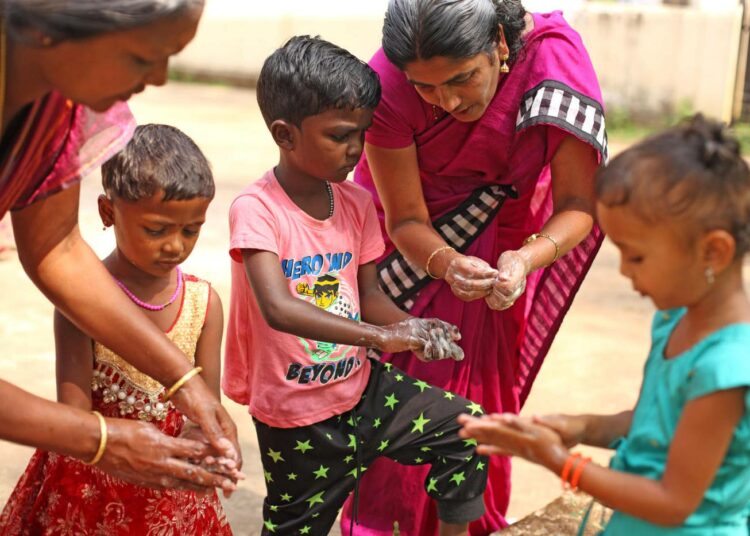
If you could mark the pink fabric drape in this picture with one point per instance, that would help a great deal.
(57, 143)
(551, 92)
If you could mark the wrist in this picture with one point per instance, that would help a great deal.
(585, 429)
(527, 258)
(374, 336)
(555, 458)
(439, 264)
(97, 439)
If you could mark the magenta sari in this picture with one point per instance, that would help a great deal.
(53, 143)
(487, 187)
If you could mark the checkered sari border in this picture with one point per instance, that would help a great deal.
(553, 102)
(402, 280)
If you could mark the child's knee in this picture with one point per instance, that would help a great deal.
(462, 510)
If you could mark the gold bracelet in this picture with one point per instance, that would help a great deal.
(548, 237)
(102, 440)
(432, 255)
(182, 381)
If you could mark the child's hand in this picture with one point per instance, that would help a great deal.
(212, 463)
(442, 343)
(510, 435)
(429, 338)
(570, 428)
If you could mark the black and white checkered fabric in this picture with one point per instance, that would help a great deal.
(402, 280)
(552, 102)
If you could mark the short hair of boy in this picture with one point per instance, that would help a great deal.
(158, 157)
(308, 76)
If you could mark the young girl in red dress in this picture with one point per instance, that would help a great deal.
(157, 191)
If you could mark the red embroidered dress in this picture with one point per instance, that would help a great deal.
(59, 495)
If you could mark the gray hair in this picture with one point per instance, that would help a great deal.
(62, 20)
(423, 29)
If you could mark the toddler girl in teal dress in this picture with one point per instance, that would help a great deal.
(677, 206)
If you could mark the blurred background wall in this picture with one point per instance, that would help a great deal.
(655, 58)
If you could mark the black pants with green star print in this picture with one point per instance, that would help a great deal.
(311, 470)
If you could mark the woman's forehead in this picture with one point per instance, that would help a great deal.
(441, 70)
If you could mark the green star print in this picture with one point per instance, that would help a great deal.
(421, 385)
(391, 401)
(419, 423)
(303, 446)
(458, 478)
(475, 408)
(315, 499)
(275, 456)
(322, 472)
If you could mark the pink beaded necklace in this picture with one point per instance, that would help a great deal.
(148, 306)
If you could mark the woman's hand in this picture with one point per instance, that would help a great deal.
(428, 338)
(197, 402)
(510, 435)
(512, 269)
(470, 278)
(139, 453)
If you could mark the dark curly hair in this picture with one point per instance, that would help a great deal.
(159, 157)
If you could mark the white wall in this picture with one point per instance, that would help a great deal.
(649, 58)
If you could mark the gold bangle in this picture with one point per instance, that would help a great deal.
(102, 440)
(182, 381)
(432, 255)
(548, 237)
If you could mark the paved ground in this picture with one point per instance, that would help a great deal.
(594, 365)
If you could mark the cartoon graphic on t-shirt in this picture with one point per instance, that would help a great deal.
(321, 279)
(333, 295)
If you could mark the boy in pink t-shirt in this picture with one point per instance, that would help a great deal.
(306, 304)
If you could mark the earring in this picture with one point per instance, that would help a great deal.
(710, 276)
(104, 227)
(504, 66)
(46, 41)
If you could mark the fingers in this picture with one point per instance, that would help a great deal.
(186, 474)
(181, 447)
(502, 296)
(492, 450)
(470, 278)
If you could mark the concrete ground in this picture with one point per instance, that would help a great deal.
(594, 365)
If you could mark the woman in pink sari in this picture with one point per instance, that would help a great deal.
(481, 158)
(66, 69)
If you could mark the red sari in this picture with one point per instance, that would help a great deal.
(59, 495)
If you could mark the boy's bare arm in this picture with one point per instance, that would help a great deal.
(428, 338)
(74, 363)
(377, 308)
(289, 314)
(208, 349)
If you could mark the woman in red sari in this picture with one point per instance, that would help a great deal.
(481, 158)
(66, 69)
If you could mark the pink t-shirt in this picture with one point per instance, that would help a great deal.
(288, 381)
